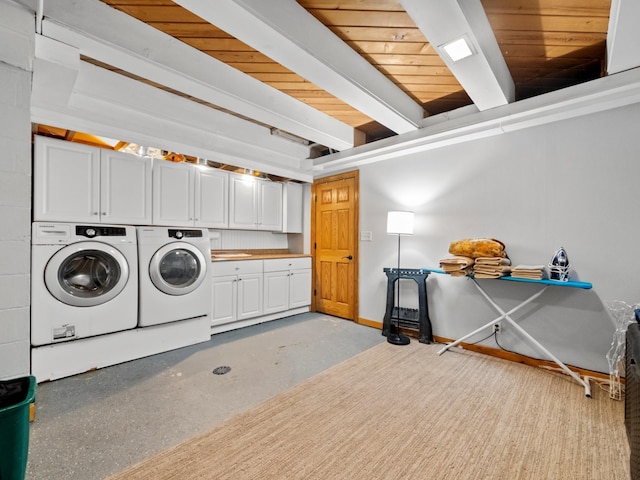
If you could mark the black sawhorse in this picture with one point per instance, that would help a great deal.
(420, 276)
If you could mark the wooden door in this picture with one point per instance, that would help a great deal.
(334, 235)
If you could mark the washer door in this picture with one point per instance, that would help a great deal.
(177, 268)
(86, 274)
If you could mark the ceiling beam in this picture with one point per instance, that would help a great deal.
(606, 93)
(623, 36)
(107, 104)
(129, 44)
(291, 36)
(483, 75)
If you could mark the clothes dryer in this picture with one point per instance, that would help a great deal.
(84, 281)
(174, 280)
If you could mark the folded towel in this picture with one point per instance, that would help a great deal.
(461, 273)
(456, 263)
(528, 267)
(487, 275)
(492, 261)
(533, 272)
(501, 269)
(529, 277)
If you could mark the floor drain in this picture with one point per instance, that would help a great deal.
(221, 370)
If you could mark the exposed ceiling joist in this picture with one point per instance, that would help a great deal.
(484, 74)
(128, 44)
(288, 34)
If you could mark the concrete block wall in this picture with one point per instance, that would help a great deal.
(16, 59)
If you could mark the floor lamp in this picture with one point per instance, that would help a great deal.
(398, 223)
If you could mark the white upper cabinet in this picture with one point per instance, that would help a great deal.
(173, 194)
(270, 206)
(254, 204)
(186, 195)
(243, 202)
(125, 193)
(292, 200)
(212, 198)
(79, 183)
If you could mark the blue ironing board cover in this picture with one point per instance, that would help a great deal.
(557, 283)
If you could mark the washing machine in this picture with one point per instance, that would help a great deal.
(174, 274)
(84, 281)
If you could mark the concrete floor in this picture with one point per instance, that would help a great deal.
(95, 424)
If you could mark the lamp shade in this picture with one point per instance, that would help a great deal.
(400, 223)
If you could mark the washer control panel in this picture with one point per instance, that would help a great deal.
(92, 231)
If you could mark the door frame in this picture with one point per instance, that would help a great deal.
(355, 174)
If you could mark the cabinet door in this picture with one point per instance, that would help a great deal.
(212, 198)
(292, 207)
(125, 193)
(243, 202)
(172, 193)
(276, 291)
(300, 288)
(249, 296)
(270, 205)
(224, 299)
(66, 181)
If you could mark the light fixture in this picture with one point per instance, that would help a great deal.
(398, 223)
(458, 49)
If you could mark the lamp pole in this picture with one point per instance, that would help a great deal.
(399, 223)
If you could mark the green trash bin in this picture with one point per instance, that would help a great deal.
(16, 395)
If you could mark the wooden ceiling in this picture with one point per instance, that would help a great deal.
(547, 45)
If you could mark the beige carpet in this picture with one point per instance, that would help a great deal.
(406, 413)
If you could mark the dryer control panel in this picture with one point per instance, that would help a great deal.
(179, 234)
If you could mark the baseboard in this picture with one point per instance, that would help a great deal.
(370, 323)
(497, 352)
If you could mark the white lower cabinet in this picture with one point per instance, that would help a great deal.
(258, 289)
(287, 284)
(300, 287)
(237, 290)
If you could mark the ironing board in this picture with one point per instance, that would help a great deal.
(545, 284)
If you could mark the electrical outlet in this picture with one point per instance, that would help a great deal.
(496, 327)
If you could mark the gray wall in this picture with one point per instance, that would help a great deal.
(16, 54)
(572, 183)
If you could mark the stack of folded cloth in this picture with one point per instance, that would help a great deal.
(457, 266)
(491, 267)
(533, 272)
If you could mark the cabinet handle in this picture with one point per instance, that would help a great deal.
(104, 214)
(96, 213)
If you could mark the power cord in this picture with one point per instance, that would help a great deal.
(483, 339)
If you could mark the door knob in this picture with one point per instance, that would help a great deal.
(350, 257)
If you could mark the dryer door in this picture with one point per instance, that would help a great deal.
(86, 274)
(178, 268)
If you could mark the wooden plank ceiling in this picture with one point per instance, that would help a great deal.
(547, 45)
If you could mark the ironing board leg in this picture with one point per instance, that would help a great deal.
(506, 316)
